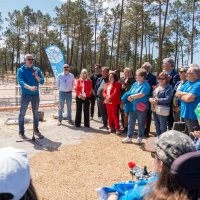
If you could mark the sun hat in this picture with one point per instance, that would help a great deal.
(170, 145)
(14, 172)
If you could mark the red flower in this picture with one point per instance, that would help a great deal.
(131, 165)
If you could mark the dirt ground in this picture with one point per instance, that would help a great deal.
(75, 171)
(70, 163)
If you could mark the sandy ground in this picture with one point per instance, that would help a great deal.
(74, 172)
(70, 163)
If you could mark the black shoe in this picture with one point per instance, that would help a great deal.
(123, 130)
(112, 130)
(22, 136)
(38, 134)
(70, 122)
(103, 127)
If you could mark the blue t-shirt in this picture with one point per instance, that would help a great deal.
(187, 108)
(140, 88)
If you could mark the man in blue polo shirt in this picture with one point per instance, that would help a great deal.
(29, 78)
(189, 96)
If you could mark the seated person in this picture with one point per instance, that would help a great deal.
(15, 180)
(168, 147)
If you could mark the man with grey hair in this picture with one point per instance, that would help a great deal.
(168, 66)
(65, 85)
(151, 79)
(29, 78)
(194, 65)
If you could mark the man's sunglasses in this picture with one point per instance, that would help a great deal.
(30, 59)
(66, 67)
(161, 79)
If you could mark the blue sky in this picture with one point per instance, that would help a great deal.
(46, 6)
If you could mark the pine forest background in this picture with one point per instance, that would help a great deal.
(88, 32)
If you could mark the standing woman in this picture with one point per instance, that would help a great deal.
(138, 97)
(160, 103)
(83, 94)
(111, 94)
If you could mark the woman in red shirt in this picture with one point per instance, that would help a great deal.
(111, 93)
(83, 93)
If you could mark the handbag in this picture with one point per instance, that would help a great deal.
(162, 110)
(141, 106)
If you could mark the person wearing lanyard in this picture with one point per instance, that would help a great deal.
(65, 84)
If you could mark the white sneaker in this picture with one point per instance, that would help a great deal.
(139, 140)
(127, 140)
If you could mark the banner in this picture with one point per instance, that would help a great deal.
(56, 59)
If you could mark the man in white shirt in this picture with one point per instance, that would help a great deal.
(65, 84)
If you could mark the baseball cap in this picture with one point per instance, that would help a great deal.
(14, 172)
(170, 145)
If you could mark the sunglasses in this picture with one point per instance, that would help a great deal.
(153, 155)
(161, 79)
(66, 67)
(30, 59)
(182, 72)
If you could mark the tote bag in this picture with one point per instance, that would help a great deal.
(162, 110)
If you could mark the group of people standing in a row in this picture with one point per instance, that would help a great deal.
(171, 96)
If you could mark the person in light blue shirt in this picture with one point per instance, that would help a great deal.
(29, 77)
(138, 95)
(65, 84)
(189, 96)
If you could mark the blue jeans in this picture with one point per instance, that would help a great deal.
(65, 96)
(160, 123)
(25, 100)
(140, 116)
